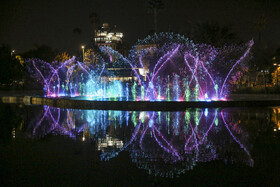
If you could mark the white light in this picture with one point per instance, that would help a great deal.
(143, 71)
(14, 133)
(206, 96)
(143, 115)
(110, 143)
(206, 112)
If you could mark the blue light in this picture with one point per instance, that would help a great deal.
(151, 123)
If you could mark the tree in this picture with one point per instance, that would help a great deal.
(62, 57)
(260, 25)
(42, 52)
(214, 34)
(10, 67)
(91, 57)
(276, 63)
(95, 21)
(262, 62)
(77, 31)
(155, 6)
(5, 59)
(275, 76)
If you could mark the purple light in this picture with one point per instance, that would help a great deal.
(169, 57)
(164, 143)
(174, 71)
(251, 43)
(251, 161)
(171, 150)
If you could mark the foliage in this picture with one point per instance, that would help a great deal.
(275, 76)
(77, 31)
(213, 34)
(42, 52)
(11, 69)
(276, 63)
(94, 19)
(155, 6)
(20, 59)
(260, 24)
(90, 57)
(61, 57)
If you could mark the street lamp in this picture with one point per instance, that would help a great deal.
(83, 48)
(12, 52)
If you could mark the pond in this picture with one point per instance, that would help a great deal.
(42, 145)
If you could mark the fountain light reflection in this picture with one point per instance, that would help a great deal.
(178, 140)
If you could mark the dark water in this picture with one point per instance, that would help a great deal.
(198, 147)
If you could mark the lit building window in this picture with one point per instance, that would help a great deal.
(107, 36)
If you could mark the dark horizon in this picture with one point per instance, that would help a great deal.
(28, 22)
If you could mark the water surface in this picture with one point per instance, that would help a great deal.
(41, 145)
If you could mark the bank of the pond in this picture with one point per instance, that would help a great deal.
(137, 105)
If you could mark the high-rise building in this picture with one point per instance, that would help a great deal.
(106, 36)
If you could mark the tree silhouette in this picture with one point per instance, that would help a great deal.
(95, 21)
(10, 67)
(42, 52)
(77, 31)
(155, 6)
(260, 25)
(213, 34)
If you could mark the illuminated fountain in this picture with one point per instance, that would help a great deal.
(163, 143)
(74, 78)
(176, 69)
(165, 67)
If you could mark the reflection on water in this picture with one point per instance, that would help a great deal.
(163, 143)
(276, 118)
(52, 146)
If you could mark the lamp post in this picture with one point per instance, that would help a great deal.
(83, 48)
(12, 52)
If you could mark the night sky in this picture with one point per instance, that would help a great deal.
(24, 23)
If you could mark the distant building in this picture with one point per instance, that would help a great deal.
(111, 37)
(106, 36)
(145, 61)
